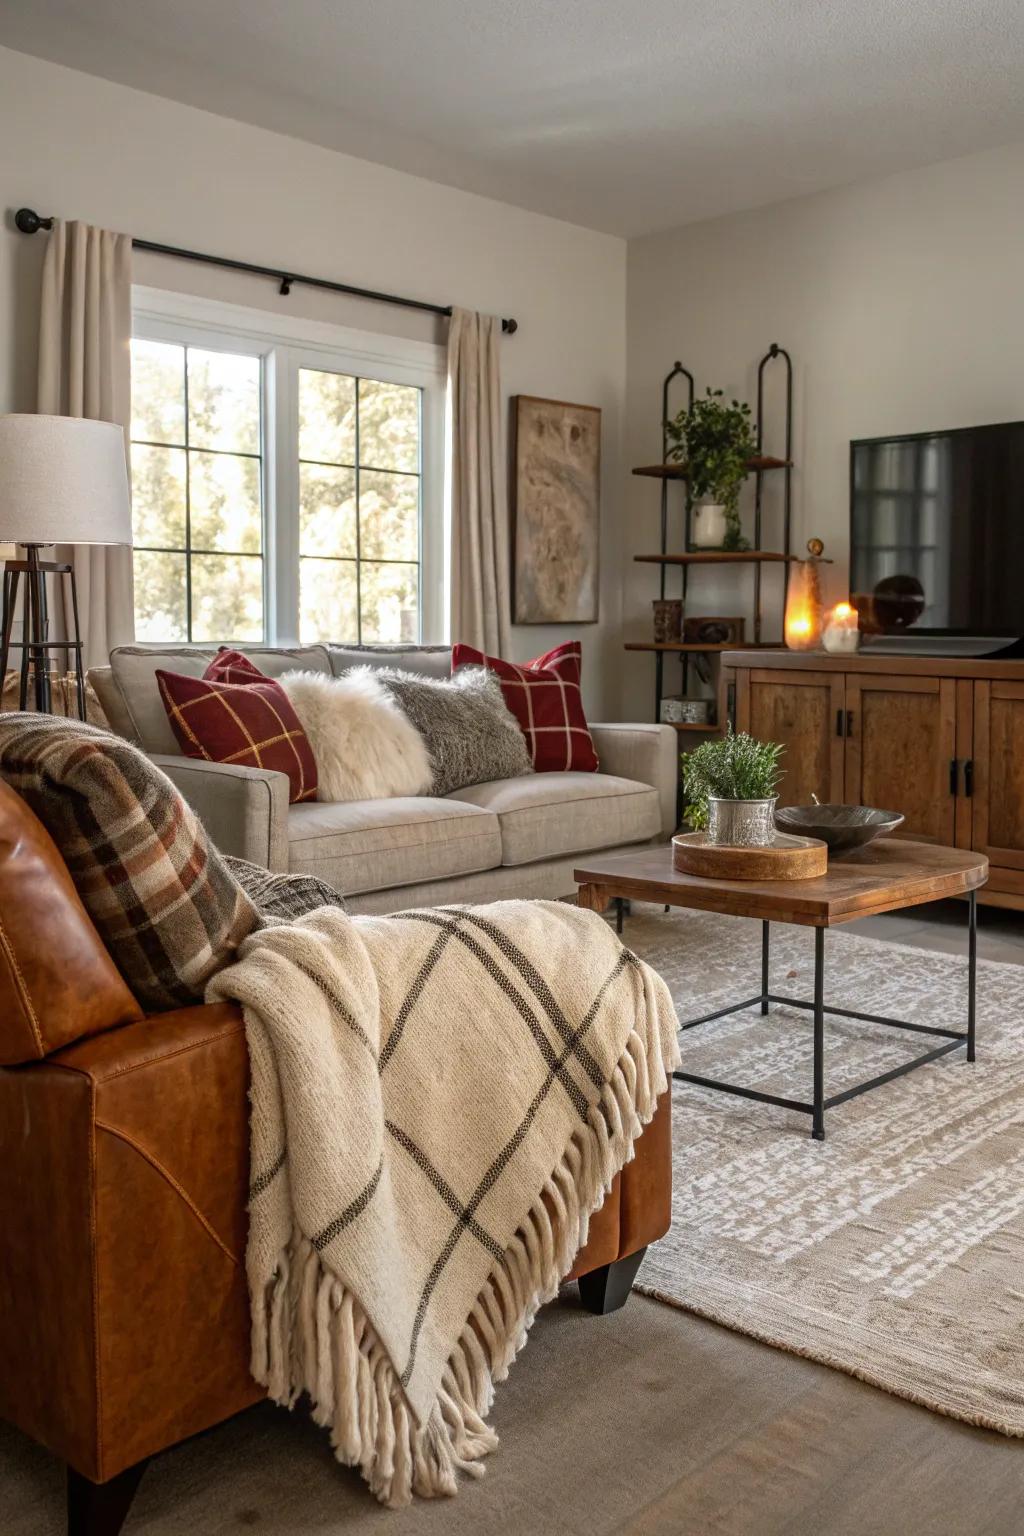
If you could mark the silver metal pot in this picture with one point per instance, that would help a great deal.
(741, 823)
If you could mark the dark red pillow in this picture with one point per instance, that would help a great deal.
(545, 697)
(233, 714)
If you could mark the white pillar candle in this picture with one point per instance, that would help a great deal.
(841, 635)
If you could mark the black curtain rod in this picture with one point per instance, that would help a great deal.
(28, 221)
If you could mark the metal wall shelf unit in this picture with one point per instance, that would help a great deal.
(757, 557)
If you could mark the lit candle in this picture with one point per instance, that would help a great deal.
(842, 630)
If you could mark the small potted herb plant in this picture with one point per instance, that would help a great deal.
(716, 441)
(730, 789)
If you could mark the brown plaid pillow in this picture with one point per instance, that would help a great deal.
(159, 893)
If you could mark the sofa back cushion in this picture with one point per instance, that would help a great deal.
(134, 669)
(426, 660)
(57, 982)
(159, 894)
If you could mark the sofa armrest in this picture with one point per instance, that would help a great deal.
(245, 810)
(648, 754)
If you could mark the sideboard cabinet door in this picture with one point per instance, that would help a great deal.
(998, 772)
(900, 750)
(803, 710)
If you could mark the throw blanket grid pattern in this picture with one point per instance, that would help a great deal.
(440, 1100)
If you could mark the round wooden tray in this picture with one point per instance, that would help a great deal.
(788, 858)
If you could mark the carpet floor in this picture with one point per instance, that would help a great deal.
(895, 1250)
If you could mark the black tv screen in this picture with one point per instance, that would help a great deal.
(937, 532)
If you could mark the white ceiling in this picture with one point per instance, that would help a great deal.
(624, 117)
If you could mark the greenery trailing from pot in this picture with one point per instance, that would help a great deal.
(736, 768)
(716, 440)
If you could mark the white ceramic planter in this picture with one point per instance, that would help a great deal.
(709, 525)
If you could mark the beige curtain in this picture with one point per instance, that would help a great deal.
(85, 370)
(480, 529)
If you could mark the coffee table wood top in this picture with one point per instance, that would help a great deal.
(888, 874)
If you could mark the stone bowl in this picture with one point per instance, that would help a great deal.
(842, 827)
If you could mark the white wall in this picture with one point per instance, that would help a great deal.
(84, 148)
(902, 303)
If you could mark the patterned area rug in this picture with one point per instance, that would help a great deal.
(895, 1249)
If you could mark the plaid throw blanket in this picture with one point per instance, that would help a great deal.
(440, 1100)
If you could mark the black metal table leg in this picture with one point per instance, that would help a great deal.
(972, 968)
(818, 1121)
(766, 929)
(620, 914)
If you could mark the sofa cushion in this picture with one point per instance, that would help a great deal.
(549, 814)
(134, 669)
(251, 724)
(427, 660)
(470, 733)
(546, 699)
(369, 845)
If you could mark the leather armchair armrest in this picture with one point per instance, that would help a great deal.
(245, 810)
(648, 754)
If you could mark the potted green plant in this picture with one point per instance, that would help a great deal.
(716, 441)
(730, 789)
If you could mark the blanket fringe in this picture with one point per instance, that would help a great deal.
(311, 1335)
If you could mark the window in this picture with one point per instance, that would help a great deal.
(287, 479)
(197, 493)
(359, 525)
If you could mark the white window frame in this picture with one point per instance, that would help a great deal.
(284, 345)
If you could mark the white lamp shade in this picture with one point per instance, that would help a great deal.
(63, 480)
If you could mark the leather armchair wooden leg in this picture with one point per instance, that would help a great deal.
(607, 1289)
(100, 1509)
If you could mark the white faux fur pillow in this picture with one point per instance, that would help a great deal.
(364, 746)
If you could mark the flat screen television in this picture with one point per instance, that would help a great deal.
(937, 533)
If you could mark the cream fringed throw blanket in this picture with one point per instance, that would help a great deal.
(440, 1100)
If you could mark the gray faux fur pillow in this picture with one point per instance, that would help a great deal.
(470, 733)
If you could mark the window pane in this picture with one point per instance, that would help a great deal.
(390, 603)
(225, 502)
(327, 511)
(223, 401)
(389, 515)
(389, 425)
(158, 496)
(158, 392)
(227, 597)
(160, 612)
(327, 417)
(327, 600)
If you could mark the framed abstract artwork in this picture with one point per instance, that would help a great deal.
(556, 511)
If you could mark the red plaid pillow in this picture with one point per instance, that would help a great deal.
(544, 695)
(249, 720)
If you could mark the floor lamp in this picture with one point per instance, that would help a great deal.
(63, 480)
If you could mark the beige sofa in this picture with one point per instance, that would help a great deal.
(510, 837)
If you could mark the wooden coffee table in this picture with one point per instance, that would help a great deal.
(886, 876)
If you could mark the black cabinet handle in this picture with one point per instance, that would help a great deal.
(953, 771)
(969, 777)
(849, 722)
(839, 722)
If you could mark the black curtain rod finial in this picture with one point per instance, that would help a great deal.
(28, 221)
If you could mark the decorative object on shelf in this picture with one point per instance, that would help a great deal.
(730, 789)
(714, 631)
(556, 511)
(63, 480)
(681, 711)
(841, 635)
(842, 827)
(668, 619)
(803, 620)
(716, 441)
(782, 858)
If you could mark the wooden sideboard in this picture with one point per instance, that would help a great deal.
(940, 739)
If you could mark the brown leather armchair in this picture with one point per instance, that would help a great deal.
(124, 1320)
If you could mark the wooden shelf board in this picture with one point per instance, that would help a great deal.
(716, 557)
(681, 471)
(686, 646)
